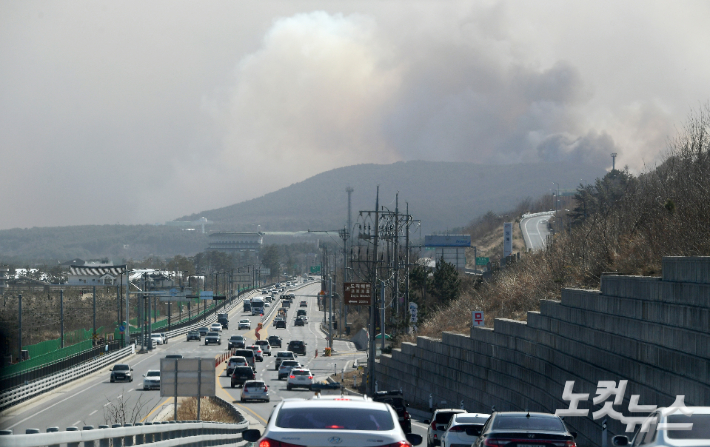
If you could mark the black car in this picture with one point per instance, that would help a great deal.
(203, 331)
(297, 347)
(236, 342)
(274, 341)
(535, 428)
(241, 374)
(280, 323)
(194, 335)
(299, 322)
(396, 401)
(121, 372)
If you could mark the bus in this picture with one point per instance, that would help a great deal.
(257, 305)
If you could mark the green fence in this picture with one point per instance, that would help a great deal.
(49, 357)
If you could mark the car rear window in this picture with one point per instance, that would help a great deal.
(444, 417)
(256, 385)
(245, 353)
(289, 363)
(243, 370)
(471, 420)
(395, 402)
(335, 419)
(522, 422)
(701, 426)
(300, 372)
(285, 354)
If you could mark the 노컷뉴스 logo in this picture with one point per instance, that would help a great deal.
(607, 388)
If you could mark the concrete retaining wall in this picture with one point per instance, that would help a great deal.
(653, 332)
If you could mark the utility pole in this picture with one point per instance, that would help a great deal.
(61, 317)
(127, 332)
(94, 319)
(330, 316)
(19, 331)
(406, 293)
(613, 161)
(371, 357)
(396, 256)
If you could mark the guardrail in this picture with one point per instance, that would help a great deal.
(24, 392)
(165, 434)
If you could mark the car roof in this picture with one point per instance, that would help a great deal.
(465, 418)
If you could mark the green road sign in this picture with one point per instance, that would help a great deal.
(315, 269)
(482, 261)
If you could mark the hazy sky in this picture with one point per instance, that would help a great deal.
(141, 112)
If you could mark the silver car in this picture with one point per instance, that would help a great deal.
(437, 426)
(285, 368)
(463, 429)
(265, 347)
(255, 390)
(299, 377)
(151, 380)
(697, 436)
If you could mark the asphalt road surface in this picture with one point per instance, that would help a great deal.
(84, 402)
(535, 231)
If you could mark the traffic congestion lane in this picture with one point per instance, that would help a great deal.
(310, 333)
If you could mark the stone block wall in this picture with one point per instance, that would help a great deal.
(653, 332)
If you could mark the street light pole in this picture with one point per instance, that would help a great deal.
(373, 304)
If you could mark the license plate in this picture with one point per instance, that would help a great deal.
(533, 445)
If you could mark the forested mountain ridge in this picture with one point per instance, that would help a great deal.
(443, 195)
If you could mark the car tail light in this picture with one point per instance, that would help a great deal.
(398, 444)
(266, 388)
(433, 426)
(310, 377)
(456, 428)
(266, 442)
(496, 442)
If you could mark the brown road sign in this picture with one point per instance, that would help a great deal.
(358, 293)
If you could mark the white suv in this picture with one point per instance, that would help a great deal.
(349, 420)
(299, 377)
(265, 347)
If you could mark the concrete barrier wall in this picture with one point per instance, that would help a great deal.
(653, 332)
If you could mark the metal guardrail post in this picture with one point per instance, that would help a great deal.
(104, 442)
(128, 439)
(140, 437)
(148, 438)
(117, 441)
(88, 443)
(53, 430)
(72, 444)
(32, 431)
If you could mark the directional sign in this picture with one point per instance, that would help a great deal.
(177, 297)
(358, 293)
(315, 269)
(477, 318)
(219, 297)
(206, 295)
(413, 311)
(482, 261)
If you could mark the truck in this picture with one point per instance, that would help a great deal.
(257, 305)
(247, 305)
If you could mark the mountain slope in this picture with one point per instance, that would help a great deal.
(442, 195)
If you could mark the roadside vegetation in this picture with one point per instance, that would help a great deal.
(621, 223)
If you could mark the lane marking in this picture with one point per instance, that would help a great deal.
(107, 404)
(219, 384)
(75, 423)
(157, 407)
(93, 412)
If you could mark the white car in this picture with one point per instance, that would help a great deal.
(157, 338)
(331, 420)
(151, 380)
(265, 347)
(244, 324)
(698, 435)
(299, 378)
(255, 390)
(216, 327)
(463, 429)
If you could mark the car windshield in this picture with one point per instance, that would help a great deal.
(701, 426)
(236, 338)
(244, 321)
(523, 422)
(203, 329)
(153, 374)
(213, 334)
(121, 368)
(335, 419)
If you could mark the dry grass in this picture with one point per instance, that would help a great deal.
(187, 411)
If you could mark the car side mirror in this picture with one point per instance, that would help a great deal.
(143, 375)
(131, 369)
(251, 435)
(110, 369)
(473, 431)
(414, 439)
(620, 440)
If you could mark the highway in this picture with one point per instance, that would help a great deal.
(535, 231)
(83, 402)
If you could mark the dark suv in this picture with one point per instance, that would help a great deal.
(275, 341)
(297, 347)
(396, 401)
(236, 342)
(241, 374)
(121, 372)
